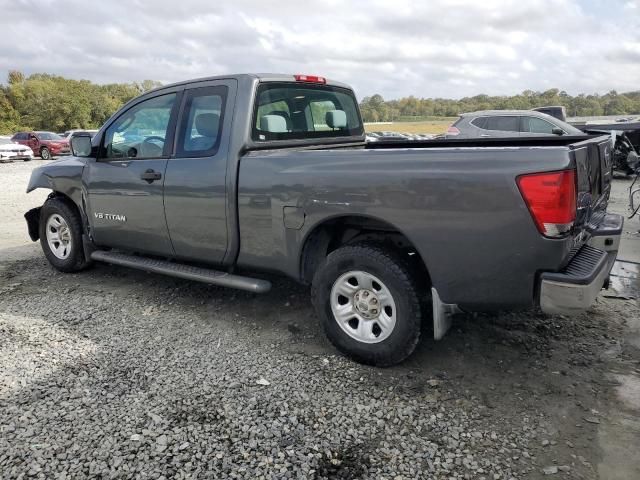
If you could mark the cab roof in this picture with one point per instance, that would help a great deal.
(261, 77)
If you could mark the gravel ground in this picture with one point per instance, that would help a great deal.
(114, 373)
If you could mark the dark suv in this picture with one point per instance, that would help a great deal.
(508, 123)
(43, 144)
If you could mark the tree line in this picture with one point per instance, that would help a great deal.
(376, 109)
(50, 102)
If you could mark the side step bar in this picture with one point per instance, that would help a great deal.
(205, 275)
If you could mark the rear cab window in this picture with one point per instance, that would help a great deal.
(298, 111)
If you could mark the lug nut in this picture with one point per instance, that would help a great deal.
(374, 300)
(374, 311)
(365, 294)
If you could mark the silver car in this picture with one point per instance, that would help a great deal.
(508, 123)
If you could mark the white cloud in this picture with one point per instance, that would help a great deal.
(446, 48)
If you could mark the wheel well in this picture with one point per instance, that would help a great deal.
(33, 215)
(334, 233)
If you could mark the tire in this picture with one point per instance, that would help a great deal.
(45, 154)
(383, 273)
(59, 216)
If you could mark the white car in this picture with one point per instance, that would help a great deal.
(10, 151)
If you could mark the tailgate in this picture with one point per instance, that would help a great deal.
(593, 160)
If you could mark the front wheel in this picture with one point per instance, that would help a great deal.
(45, 153)
(61, 235)
(367, 302)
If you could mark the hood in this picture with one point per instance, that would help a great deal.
(13, 147)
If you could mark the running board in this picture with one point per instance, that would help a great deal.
(205, 275)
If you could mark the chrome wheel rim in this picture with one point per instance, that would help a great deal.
(59, 236)
(45, 154)
(363, 307)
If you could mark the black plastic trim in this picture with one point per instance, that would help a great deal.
(583, 268)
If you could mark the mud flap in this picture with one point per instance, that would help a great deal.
(33, 223)
(442, 313)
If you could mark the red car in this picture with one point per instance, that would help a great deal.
(43, 144)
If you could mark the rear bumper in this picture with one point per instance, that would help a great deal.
(606, 236)
(575, 287)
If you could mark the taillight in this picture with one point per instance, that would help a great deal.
(310, 78)
(453, 131)
(551, 198)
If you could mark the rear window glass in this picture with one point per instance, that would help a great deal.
(288, 111)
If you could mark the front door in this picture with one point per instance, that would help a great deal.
(125, 183)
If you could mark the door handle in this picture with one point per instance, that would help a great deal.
(151, 175)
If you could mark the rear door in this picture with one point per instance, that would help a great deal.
(125, 184)
(195, 188)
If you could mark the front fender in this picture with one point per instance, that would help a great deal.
(63, 176)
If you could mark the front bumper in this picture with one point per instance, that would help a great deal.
(10, 157)
(576, 286)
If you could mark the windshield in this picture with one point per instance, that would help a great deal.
(287, 111)
(48, 136)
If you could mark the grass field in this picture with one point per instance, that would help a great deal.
(430, 126)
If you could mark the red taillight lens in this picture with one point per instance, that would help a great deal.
(310, 79)
(453, 131)
(551, 198)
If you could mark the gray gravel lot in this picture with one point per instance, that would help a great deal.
(115, 373)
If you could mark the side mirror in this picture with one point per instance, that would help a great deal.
(557, 131)
(81, 145)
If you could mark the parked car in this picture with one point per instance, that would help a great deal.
(508, 123)
(10, 151)
(43, 144)
(377, 229)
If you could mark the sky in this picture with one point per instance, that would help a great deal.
(429, 48)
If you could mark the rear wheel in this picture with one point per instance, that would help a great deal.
(367, 302)
(61, 235)
(45, 153)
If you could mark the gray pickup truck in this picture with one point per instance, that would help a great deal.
(215, 178)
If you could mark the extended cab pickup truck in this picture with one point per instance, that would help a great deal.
(215, 178)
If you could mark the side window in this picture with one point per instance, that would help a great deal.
(503, 123)
(536, 125)
(480, 122)
(201, 124)
(141, 131)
